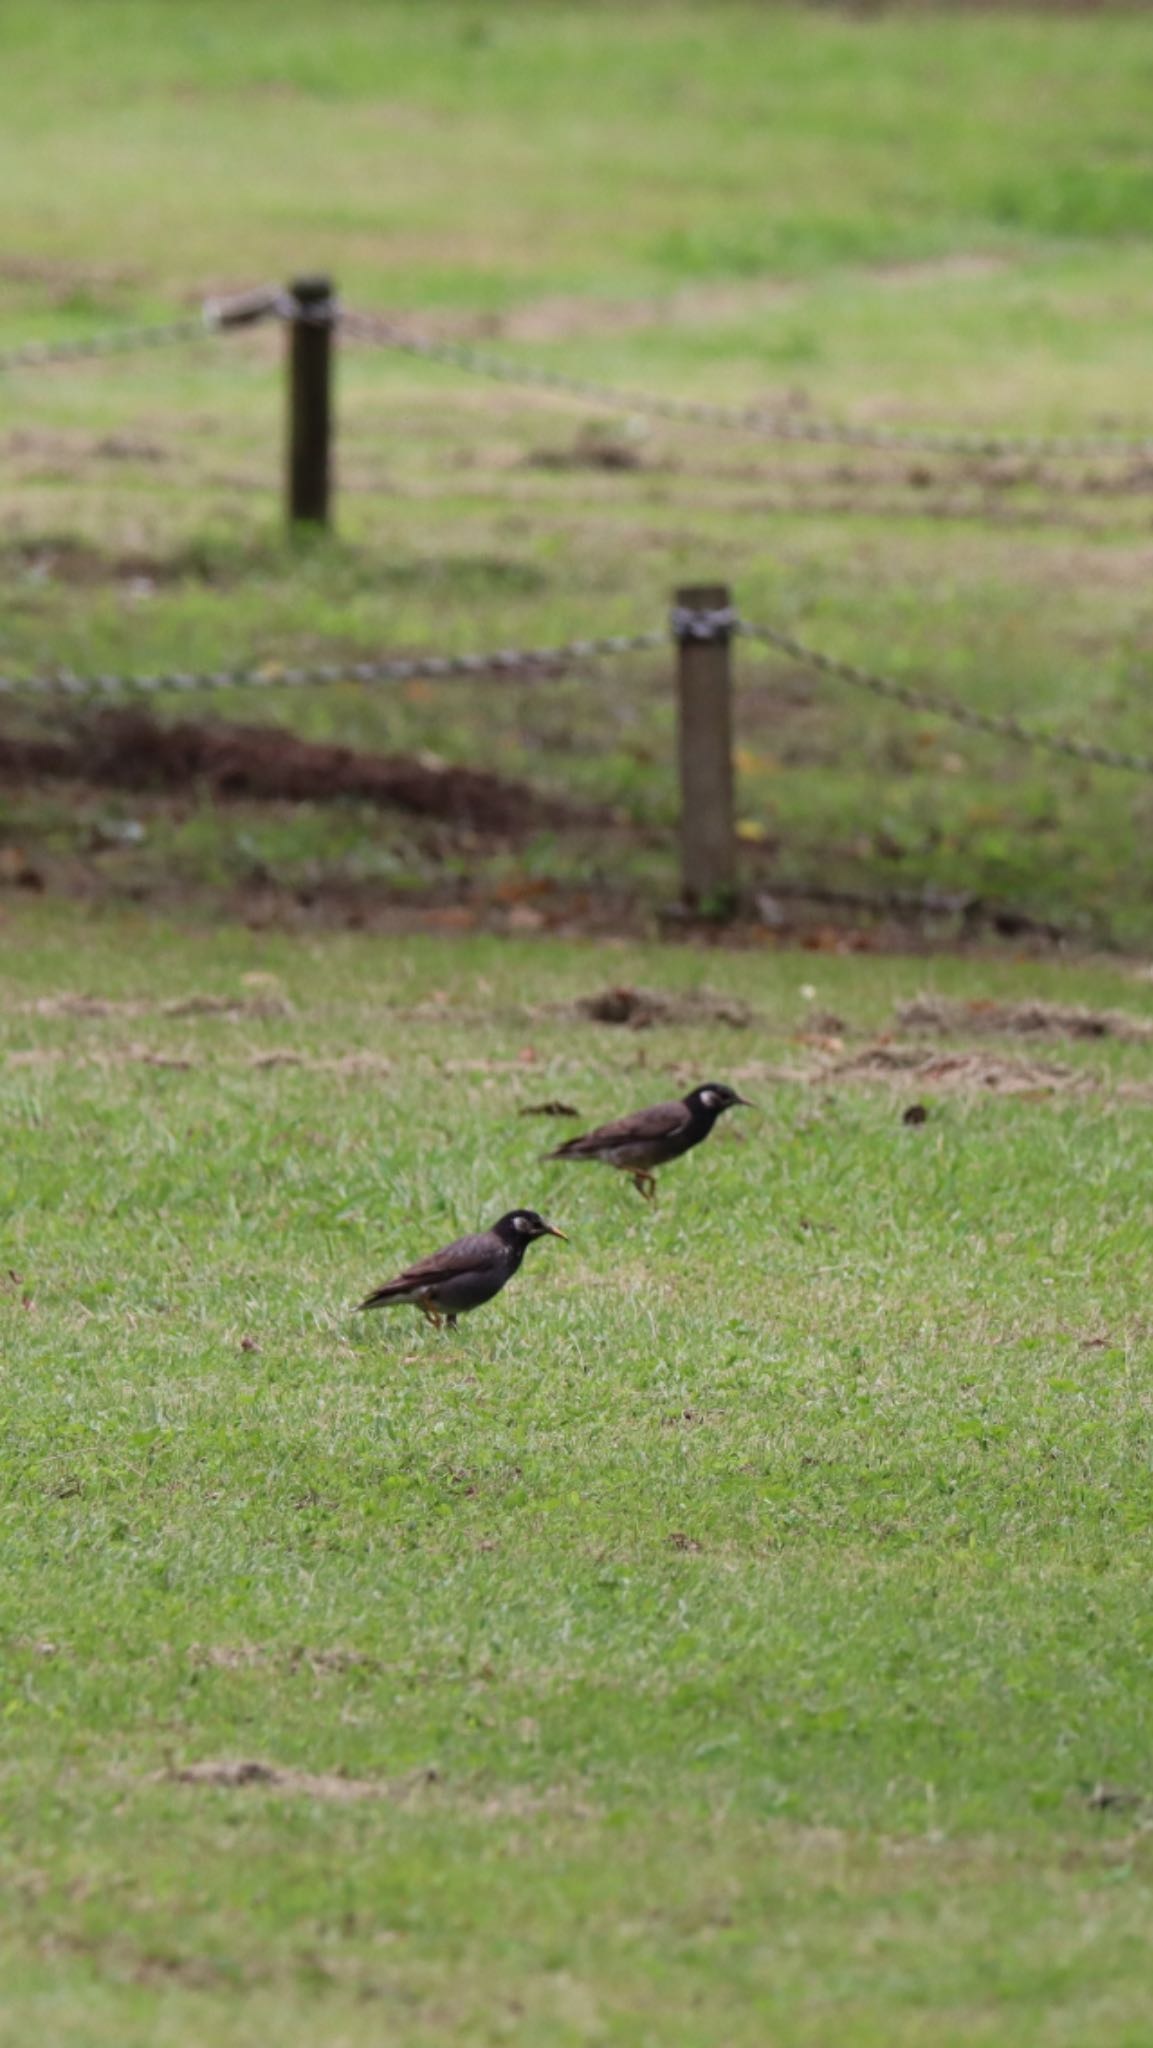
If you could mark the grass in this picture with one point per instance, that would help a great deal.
(727, 1629)
(922, 217)
(722, 1639)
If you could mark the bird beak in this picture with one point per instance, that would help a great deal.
(745, 1103)
(554, 1232)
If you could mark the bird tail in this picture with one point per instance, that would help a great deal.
(383, 1297)
(571, 1149)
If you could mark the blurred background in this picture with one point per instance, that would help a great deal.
(924, 224)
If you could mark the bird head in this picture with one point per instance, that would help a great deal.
(520, 1226)
(716, 1096)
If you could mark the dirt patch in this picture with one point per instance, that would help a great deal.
(324, 1663)
(233, 1775)
(226, 1006)
(1020, 1020)
(129, 749)
(946, 506)
(69, 558)
(152, 1968)
(120, 1056)
(960, 1072)
(598, 444)
(148, 1056)
(69, 278)
(258, 1656)
(346, 1065)
(229, 1656)
(565, 316)
(440, 892)
(1115, 1799)
(510, 1802)
(639, 1008)
(524, 1802)
(963, 264)
(68, 1004)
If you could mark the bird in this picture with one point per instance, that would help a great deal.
(466, 1273)
(651, 1137)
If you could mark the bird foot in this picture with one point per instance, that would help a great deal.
(433, 1315)
(645, 1185)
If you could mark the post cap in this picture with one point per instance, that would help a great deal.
(311, 291)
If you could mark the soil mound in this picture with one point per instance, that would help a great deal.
(129, 749)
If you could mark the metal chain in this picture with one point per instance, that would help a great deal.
(1002, 724)
(216, 316)
(223, 315)
(511, 661)
(687, 624)
(684, 624)
(742, 419)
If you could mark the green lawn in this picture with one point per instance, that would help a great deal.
(721, 1640)
(920, 218)
(718, 1640)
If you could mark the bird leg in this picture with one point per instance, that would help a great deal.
(645, 1184)
(431, 1314)
(450, 1322)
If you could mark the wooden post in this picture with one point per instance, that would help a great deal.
(311, 324)
(702, 627)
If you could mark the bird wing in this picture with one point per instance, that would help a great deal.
(663, 1120)
(465, 1255)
